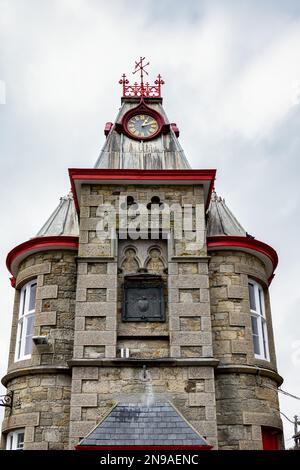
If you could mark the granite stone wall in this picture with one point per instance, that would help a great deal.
(41, 385)
(41, 405)
(246, 387)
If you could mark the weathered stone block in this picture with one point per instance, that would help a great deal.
(31, 271)
(80, 295)
(85, 373)
(262, 419)
(47, 292)
(192, 310)
(239, 319)
(95, 323)
(81, 428)
(91, 338)
(36, 446)
(45, 318)
(21, 420)
(94, 352)
(96, 281)
(190, 339)
(93, 309)
(191, 351)
(201, 399)
(188, 281)
(29, 434)
(240, 346)
(52, 435)
(237, 292)
(84, 399)
(201, 373)
(190, 323)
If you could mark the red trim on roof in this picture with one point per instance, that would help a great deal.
(246, 243)
(118, 175)
(43, 243)
(183, 447)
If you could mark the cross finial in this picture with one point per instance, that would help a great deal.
(140, 66)
(141, 89)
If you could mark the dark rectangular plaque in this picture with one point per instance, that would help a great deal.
(143, 299)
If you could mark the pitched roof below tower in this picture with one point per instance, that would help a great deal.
(63, 221)
(139, 425)
(221, 220)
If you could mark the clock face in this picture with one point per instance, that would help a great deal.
(142, 126)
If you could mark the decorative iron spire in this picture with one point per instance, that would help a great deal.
(142, 89)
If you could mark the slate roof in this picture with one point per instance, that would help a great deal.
(140, 425)
(163, 152)
(63, 221)
(221, 220)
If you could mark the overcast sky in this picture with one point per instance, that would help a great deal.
(232, 73)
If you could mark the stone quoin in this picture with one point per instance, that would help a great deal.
(149, 341)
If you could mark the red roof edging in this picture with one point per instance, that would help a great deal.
(61, 241)
(246, 243)
(146, 175)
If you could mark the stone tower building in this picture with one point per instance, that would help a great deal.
(142, 300)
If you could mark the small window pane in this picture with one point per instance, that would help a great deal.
(261, 300)
(264, 333)
(252, 297)
(255, 335)
(20, 337)
(15, 440)
(28, 339)
(23, 300)
(32, 297)
(20, 440)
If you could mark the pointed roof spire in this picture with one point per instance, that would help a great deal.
(221, 220)
(63, 221)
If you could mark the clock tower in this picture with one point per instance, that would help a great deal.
(145, 305)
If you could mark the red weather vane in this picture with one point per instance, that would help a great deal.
(141, 89)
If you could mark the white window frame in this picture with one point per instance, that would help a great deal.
(24, 316)
(259, 314)
(12, 440)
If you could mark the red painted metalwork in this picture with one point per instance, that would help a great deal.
(107, 128)
(39, 244)
(142, 108)
(116, 174)
(227, 241)
(142, 89)
(175, 128)
(270, 439)
(13, 281)
(183, 447)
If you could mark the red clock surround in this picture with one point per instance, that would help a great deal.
(142, 108)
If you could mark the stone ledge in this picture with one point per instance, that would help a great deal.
(199, 259)
(21, 420)
(259, 371)
(212, 362)
(92, 259)
(34, 370)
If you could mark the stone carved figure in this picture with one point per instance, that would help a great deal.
(130, 263)
(154, 263)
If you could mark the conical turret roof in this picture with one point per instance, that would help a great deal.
(63, 221)
(221, 220)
